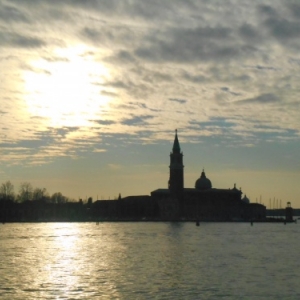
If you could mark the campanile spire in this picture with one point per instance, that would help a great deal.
(176, 146)
(176, 169)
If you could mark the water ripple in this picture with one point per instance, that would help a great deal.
(149, 261)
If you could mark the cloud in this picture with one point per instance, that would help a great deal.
(181, 101)
(295, 10)
(124, 56)
(282, 24)
(189, 45)
(262, 99)
(11, 39)
(214, 125)
(112, 37)
(195, 78)
(137, 120)
(283, 29)
(267, 10)
(11, 14)
(227, 90)
(193, 65)
(265, 68)
(104, 122)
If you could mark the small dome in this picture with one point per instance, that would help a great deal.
(203, 183)
(246, 199)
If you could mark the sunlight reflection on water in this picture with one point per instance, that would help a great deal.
(149, 261)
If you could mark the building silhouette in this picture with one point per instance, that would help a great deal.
(202, 203)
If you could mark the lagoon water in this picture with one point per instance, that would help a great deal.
(149, 261)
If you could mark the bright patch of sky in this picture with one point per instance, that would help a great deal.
(92, 91)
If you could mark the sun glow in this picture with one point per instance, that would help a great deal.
(66, 90)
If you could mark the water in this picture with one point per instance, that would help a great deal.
(149, 261)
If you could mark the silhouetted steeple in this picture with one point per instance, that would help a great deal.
(176, 146)
(176, 169)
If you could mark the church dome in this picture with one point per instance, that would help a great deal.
(203, 183)
(246, 199)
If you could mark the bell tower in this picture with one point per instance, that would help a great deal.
(176, 170)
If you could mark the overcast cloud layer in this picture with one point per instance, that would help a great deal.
(225, 69)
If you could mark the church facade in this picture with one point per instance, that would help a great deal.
(202, 203)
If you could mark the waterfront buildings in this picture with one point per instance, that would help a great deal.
(175, 202)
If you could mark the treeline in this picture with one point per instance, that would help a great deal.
(37, 205)
(26, 192)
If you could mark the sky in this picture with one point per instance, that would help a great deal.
(91, 93)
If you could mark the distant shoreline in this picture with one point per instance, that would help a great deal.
(268, 220)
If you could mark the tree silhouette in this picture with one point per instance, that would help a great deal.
(58, 198)
(40, 194)
(25, 191)
(7, 191)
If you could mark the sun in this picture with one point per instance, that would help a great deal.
(66, 90)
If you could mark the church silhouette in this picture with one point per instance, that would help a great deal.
(201, 203)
